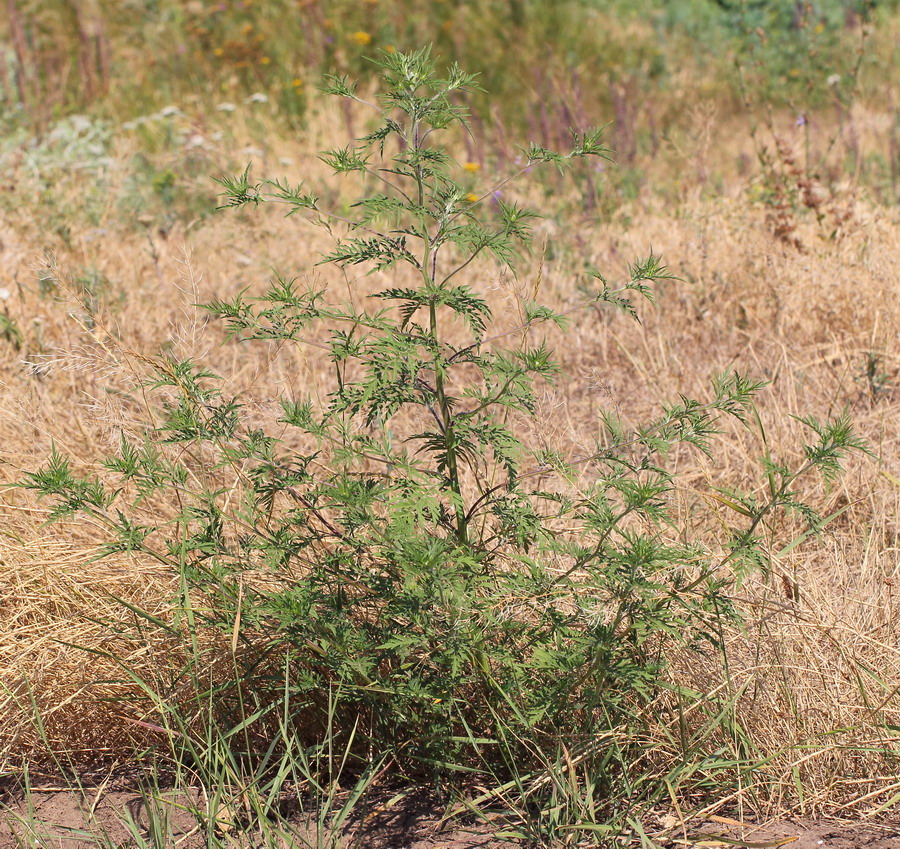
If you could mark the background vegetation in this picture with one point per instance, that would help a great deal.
(754, 146)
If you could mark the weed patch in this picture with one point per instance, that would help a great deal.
(403, 576)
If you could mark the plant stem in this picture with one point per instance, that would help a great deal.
(448, 432)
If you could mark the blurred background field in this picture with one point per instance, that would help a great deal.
(756, 147)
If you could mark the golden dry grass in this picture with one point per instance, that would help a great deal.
(812, 680)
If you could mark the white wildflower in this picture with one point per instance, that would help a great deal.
(80, 123)
(257, 97)
(226, 107)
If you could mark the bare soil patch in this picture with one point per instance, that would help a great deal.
(805, 834)
(83, 820)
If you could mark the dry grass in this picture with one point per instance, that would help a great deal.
(812, 681)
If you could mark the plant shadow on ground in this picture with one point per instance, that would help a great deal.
(115, 814)
(118, 812)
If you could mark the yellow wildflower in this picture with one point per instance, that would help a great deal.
(219, 51)
(361, 38)
(471, 167)
(390, 49)
(297, 82)
(471, 197)
(265, 60)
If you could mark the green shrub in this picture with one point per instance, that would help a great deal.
(481, 603)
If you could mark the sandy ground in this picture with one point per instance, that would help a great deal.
(61, 817)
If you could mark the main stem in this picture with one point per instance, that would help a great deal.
(462, 522)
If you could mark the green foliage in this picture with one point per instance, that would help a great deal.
(874, 380)
(476, 598)
(234, 49)
(635, 62)
(9, 331)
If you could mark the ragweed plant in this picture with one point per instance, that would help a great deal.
(481, 602)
